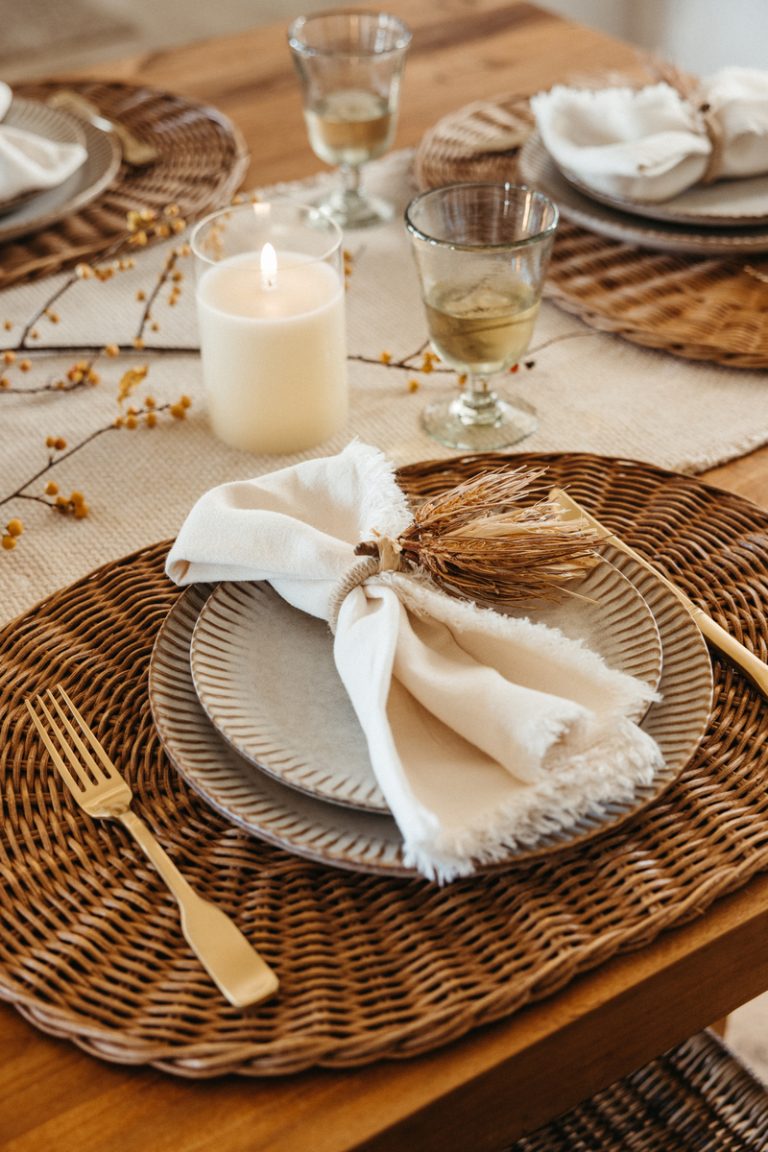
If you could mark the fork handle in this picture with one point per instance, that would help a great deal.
(228, 958)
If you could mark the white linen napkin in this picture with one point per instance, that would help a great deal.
(29, 162)
(485, 732)
(738, 99)
(640, 144)
(649, 144)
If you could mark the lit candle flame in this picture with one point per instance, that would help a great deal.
(268, 267)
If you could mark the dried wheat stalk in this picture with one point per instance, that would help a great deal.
(480, 542)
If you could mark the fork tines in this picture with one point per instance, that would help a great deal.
(74, 765)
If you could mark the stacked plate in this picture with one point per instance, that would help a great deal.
(38, 209)
(721, 219)
(252, 713)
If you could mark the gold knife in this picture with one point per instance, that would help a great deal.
(754, 668)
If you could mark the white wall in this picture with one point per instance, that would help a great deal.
(698, 35)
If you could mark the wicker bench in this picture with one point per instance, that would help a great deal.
(695, 1098)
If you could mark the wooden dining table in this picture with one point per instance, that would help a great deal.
(505, 1079)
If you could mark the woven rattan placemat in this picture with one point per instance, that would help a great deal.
(695, 1096)
(370, 967)
(702, 308)
(201, 162)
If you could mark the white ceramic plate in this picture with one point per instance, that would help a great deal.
(97, 173)
(538, 169)
(264, 672)
(341, 837)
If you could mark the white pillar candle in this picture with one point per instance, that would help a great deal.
(273, 348)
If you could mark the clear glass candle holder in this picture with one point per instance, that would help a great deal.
(350, 64)
(481, 252)
(271, 320)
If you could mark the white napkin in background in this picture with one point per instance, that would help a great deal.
(641, 144)
(738, 98)
(650, 144)
(29, 162)
(484, 731)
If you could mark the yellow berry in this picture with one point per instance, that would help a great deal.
(60, 443)
(25, 365)
(9, 356)
(8, 542)
(80, 511)
(51, 488)
(112, 350)
(131, 422)
(14, 527)
(76, 497)
(150, 419)
(185, 401)
(177, 411)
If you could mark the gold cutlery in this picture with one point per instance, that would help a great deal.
(94, 781)
(754, 668)
(138, 153)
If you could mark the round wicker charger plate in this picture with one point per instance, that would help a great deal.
(698, 307)
(370, 967)
(202, 160)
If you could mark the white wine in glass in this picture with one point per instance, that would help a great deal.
(483, 327)
(350, 126)
(350, 64)
(481, 253)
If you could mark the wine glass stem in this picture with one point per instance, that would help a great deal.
(477, 396)
(350, 179)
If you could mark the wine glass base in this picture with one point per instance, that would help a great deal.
(502, 424)
(355, 209)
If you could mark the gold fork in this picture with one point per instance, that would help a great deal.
(94, 781)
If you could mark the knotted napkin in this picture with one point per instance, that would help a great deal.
(485, 731)
(650, 144)
(29, 162)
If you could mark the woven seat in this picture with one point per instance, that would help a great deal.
(695, 1098)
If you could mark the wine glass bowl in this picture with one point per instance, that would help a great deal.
(481, 252)
(350, 64)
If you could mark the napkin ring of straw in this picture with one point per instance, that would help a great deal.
(689, 88)
(480, 542)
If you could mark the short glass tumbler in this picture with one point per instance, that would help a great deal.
(350, 64)
(481, 252)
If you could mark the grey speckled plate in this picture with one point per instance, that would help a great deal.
(264, 672)
(341, 837)
(699, 237)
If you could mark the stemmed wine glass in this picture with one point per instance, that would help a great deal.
(350, 64)
(481, 251)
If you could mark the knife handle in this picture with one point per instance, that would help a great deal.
(755, 669)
